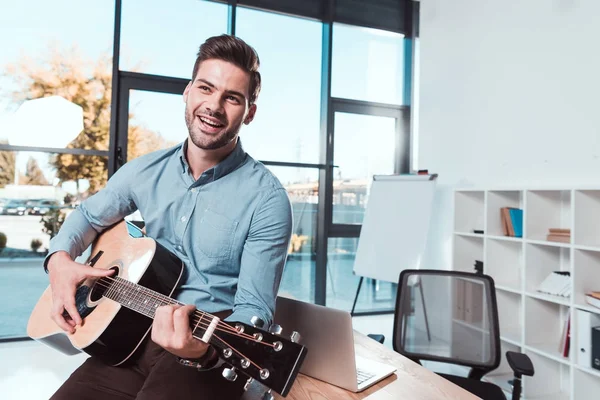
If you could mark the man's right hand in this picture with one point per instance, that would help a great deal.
(65, 276)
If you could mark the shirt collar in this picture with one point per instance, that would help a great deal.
(227, 165)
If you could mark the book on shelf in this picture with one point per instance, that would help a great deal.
(557, 283)
(561, 235)
(511, 220)
(593, 299)
(565, 339)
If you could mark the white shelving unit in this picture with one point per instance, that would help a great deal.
(530, 321)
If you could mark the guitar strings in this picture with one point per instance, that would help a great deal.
(197, 316)
(239, 352)
(172, 301)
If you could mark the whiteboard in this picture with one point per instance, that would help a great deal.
(395, 225)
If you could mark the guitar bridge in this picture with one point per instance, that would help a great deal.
(210, 329)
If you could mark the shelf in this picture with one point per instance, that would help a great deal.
(587, 307)
(504, 262)
(541, 261)
(548, 243)
(545, 325)
(587, 211)
(587, 383)
(587, 274)
(533, 322)
(512, 341)
(467, 249)
(509, 315)
(505, 238)
(590, 371)
(467, 234)
(565, 301)
(497, 199)
(587, 248)
(546, 209)
(469, 210)
(548, 350)
(552, 379)
(507, 289)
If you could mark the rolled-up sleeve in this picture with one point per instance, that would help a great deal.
(263, 259)
(98, 212)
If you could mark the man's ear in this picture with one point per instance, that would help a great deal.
(251, 113)
(187, 91)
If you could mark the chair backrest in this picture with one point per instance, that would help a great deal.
(448, 316)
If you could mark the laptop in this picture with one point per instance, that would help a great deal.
(328, 335)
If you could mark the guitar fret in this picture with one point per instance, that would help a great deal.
(136, 297)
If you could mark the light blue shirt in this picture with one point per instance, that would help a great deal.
(231, 227)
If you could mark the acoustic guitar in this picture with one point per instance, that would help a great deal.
(118, 311)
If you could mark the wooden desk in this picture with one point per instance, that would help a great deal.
(411, 381)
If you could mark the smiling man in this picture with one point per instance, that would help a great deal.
(225, 215)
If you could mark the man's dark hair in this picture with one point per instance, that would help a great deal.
(234, 50)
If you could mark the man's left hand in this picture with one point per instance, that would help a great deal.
(171, 330)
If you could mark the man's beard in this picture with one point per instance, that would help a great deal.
(202, 140)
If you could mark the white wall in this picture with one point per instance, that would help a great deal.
(509, 94)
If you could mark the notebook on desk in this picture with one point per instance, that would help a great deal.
(328, 335)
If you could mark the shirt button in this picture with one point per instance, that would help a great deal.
(179, 248)
(193, 190)
(183, 219)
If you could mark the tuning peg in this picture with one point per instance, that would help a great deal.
(295, 337)
(248, 383)
(229, 374)
(257, 322)
(275, 329)
(268, 396)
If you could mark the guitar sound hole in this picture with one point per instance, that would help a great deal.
(102, 285)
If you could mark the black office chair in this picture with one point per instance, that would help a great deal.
(452, 317)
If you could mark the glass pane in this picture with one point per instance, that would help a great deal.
(342, 283)
(54, 59)
(156, 121)
(446, 316)
(367, 64)
(364, 145)
(287, 122)
(37, 191)
(163, 39)
(299, 275)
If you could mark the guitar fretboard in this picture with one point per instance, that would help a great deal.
(135, 297)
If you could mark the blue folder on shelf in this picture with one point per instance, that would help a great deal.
(516, 217)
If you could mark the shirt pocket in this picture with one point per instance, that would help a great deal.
(216, 236)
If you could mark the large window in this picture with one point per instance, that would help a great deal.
(374, 295)
(302, 187)
(286, 127)
(150, 130)
(368, 64)
(55, 92)
(364, 146)
(58, 142)
(162, 38)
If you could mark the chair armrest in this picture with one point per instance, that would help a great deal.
(377, 337)
(520, 363)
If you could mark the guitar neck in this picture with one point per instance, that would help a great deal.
(145, 301)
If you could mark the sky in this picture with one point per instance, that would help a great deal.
(163, 40)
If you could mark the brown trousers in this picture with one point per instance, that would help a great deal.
(154, 375)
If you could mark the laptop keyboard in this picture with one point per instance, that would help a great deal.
(362, 375)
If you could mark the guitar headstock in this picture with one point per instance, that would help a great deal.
(263, 355)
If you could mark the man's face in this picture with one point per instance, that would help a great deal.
(217, 104)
